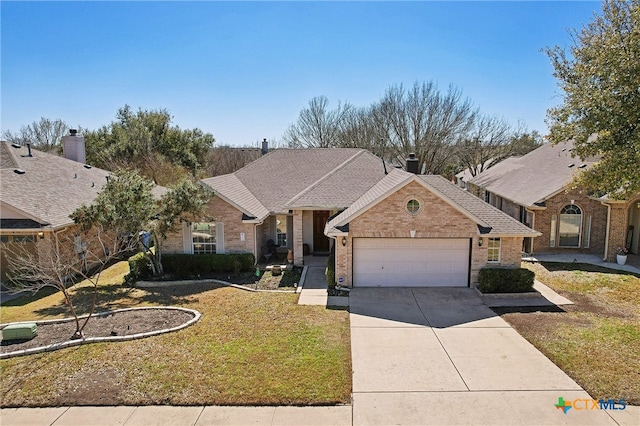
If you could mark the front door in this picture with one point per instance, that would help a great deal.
(320, 241)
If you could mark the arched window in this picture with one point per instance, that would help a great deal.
(570, 226)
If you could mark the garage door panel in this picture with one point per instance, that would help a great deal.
(410, 262)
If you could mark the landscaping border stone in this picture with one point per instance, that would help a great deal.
(70, 343)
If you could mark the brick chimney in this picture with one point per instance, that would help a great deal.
(73, 147)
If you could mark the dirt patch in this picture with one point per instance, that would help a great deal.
(538, 322)
(100, 387)
(118, 323)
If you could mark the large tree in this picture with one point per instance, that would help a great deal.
(147, 141)
(600, 78)
(127, 207)
(44, 134)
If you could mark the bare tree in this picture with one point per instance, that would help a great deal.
(486, 145)
(491, 141)
(62, 259)
(317, 127)
(226, 159)
(424, 121)
(44, 135)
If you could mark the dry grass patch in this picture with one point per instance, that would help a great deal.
(248, 348)
(597, 340)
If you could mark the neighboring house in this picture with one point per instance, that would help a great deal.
(387, 229)
(38, 192)
(535, 189)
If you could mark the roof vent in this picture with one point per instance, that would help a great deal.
(571, 165)
(16, 145)
(582, 166)
(86, 166)
(19, 171)
(73, 132)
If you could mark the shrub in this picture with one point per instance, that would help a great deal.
(496, 280)
(139, 268)
(193, 265)
(330, 272)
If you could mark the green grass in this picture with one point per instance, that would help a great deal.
(248, 348)
(596, 341)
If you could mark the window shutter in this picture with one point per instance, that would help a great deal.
(187, 239)
(587, 231)
(552, 231)
(220, 238)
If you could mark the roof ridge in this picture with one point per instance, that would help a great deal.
(323, 178)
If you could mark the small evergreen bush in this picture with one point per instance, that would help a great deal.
(139, 268)
(497, 280)
(330, 271)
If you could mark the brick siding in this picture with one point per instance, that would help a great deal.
(436, 219)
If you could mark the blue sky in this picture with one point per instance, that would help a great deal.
(244, 70)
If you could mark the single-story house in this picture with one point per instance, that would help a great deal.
(388, 227)
(38, 192)
(536, 189)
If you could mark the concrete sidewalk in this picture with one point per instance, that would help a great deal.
(580, 258)
(176, 416)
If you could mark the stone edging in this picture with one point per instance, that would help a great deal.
(534, 293)
(70, 343)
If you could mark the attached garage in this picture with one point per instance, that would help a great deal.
(411, 262)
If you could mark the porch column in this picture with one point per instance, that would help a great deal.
(617, 229)
(298, 256)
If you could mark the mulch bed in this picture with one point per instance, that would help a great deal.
(119, 323)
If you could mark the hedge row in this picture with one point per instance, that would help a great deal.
(192, 265)
(496, 280)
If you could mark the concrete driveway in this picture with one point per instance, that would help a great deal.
(441, 356)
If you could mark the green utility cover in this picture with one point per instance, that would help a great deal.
(21, 331)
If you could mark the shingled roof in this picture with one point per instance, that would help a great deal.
(46, 188)
(489, 219)
(310, 178)
(534, 177)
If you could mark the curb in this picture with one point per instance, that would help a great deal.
(70, 343)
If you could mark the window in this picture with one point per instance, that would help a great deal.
(493, 250)
(523, 214)
(413, 206)
(570, 225)
(204, 238)
(487, 196)
(281, 230)
(24, 238)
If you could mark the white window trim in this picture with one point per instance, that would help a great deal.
(579, 227)
(499, 250)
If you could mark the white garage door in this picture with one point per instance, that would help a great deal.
(410, 262)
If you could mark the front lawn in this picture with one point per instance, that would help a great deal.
(597, 340)
(248, 348)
